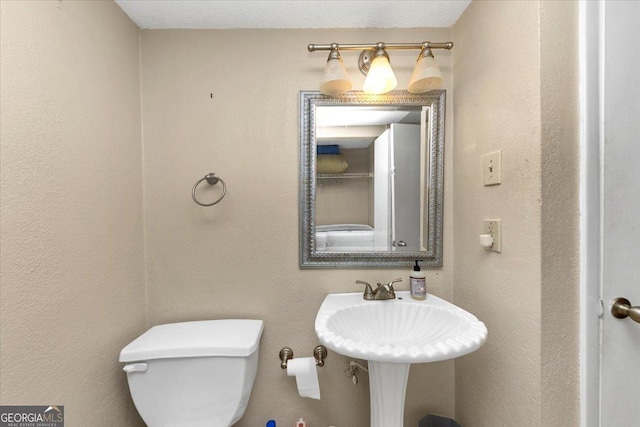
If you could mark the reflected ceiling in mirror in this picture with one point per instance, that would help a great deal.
(371, 179)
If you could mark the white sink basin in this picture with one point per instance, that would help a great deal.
(401, 330)
(392, 335)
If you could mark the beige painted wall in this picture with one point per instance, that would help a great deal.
(559, 93)
(72, 272)
(240, 258)
(497, 106)
(515, 85)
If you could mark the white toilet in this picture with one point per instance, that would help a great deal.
(193, 374)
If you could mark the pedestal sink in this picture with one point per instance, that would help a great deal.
(393, 334)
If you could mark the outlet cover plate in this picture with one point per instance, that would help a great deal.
(493, 227)
(492, 168)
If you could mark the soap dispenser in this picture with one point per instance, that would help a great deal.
(418, 283)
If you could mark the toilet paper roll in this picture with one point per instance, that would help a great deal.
(306, 373)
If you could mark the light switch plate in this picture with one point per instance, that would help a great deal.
(492, 168)
(493, 227)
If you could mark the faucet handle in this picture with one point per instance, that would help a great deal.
(368, 292)
(394, 281)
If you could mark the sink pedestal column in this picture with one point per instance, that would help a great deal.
(388, 385)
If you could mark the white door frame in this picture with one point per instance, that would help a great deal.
(591, 136)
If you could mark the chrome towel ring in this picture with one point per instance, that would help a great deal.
(212, 179)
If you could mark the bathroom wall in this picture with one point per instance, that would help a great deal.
(515, 79)
(72, 261)
(226, 101)
(560, 191)
(497, 106)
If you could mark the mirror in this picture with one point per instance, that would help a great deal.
(371, 179)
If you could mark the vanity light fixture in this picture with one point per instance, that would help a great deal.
(374, 63)
(335, 80)
(426, 75)
(380, 76)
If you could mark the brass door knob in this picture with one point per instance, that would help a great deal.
(621, 308)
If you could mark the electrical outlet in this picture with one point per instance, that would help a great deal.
(492, 167)
(494, 227)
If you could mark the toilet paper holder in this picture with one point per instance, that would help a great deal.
(319, 353)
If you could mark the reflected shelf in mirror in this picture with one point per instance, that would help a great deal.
(344, 175)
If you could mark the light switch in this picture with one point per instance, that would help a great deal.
(492, 168)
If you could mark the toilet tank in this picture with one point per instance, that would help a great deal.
(193, 374)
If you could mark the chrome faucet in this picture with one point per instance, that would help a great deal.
(382, 292)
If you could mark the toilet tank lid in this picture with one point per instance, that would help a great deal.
(223, 337)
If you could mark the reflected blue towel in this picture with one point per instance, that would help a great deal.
(328, 149)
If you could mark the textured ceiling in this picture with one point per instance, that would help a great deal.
(293, 13)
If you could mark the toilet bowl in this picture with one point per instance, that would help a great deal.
(193, 374)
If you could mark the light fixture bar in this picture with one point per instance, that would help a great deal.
(388, 46)
(374, 63)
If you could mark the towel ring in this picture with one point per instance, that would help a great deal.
(212, 179)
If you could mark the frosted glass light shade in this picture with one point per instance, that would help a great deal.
(426, 76)
(335, 80)
(380, 78)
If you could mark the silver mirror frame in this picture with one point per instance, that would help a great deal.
(309, 258)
